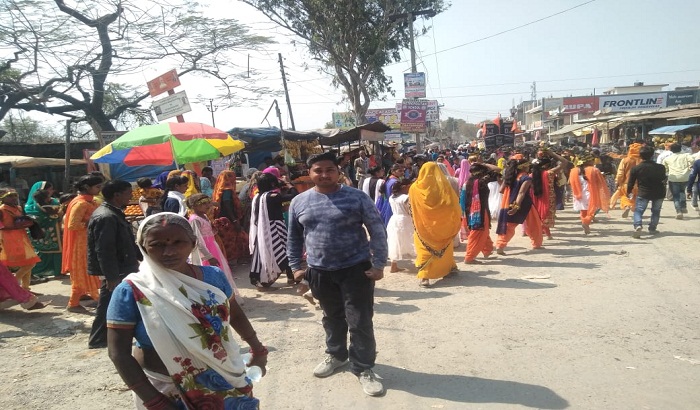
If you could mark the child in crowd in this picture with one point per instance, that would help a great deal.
(207, 251)
(150, 196)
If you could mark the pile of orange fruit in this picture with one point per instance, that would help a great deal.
(134, 209)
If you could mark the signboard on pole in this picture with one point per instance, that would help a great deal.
(389, 116)
(414, 85)
(164, 82)
(633, 102)
(432, 113)
(344, 120)
(171, 106)
(413, 115)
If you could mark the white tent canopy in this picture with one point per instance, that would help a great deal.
(18, 161)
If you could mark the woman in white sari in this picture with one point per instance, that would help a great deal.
(182, 317)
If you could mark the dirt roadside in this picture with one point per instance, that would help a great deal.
(597, 322)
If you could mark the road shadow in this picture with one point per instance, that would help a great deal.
(401, 295)
(389, 308)
(468, 280)
(577, 252)
(525, 263)
(468, 389)
(39, 323)
(266, 310)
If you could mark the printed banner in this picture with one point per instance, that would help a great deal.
(414, 85)
(633, 102)
(389, 116)
(344, 120)
(413, 115)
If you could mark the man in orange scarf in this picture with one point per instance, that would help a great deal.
(623, 175)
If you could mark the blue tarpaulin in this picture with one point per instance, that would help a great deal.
(268, 138)
(671, 129)
(131, 174)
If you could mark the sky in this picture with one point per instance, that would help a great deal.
(489, 53)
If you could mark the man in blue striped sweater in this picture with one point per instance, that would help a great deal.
(329, 221)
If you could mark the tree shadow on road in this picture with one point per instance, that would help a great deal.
(388, 308)
(468, 389)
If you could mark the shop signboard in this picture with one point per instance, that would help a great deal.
(632, 102)
(344, 120)
(389, 116)
(682, 97)
(414, 85)
(580, 105)
(162, 83)
(171, 106)
(413, 115)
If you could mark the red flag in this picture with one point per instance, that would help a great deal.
(497, 121)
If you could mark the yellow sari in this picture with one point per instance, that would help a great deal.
(436, 217)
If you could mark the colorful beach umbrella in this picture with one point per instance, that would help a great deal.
(163, 144)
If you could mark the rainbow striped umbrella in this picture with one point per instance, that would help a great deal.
(163, 144)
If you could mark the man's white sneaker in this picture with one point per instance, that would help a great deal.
(370, 385)
(328, 366)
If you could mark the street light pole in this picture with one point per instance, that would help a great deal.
(212, 108)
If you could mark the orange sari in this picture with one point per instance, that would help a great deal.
(623, 175)
(597, 188)
(75, 249)
(17, 249)
(436, 216)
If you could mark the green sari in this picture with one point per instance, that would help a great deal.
(49, 248)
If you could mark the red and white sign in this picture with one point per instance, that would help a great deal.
(163, 83)
(574, 105)
(413, 114)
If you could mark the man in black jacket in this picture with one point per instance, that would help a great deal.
(650, 179)
(112, 251)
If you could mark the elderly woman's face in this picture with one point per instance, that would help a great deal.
(168, 245)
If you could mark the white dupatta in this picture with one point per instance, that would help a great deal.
(260, 232)
(187, 321)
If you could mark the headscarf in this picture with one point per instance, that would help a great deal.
(464, 172)
(454, 183)
(225, 181)
(31, 206)
(192, 185)
(435, 207)
(187, 321)
(161, 179)
(272, 171)
(173, 173)
(448, 166)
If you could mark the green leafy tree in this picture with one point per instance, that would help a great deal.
(23, 128)
(352, 39)
(75, 60)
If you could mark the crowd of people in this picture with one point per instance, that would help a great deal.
(329, 226)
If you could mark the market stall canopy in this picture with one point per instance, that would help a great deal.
(567, 129)
(355, 134)
(672, 129)
(161, 144)
(268, 138)
(18, 161)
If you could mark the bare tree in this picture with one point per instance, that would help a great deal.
(61, 57)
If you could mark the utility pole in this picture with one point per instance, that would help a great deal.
(212, 108)
(286, 92)
(66, 177)
(411, 16)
